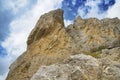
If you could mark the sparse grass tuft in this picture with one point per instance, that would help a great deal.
(94, 54)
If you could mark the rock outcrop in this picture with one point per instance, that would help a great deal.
(83, 67)
(88, 49)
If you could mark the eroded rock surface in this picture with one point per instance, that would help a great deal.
(94, 45)
(83, 67)
(91, 34)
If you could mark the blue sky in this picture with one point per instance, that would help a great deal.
(18, 18)
(71, 7)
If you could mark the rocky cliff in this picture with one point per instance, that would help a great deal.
(88, 49)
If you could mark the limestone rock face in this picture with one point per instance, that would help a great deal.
(92, 34)
(80, 67)
(48, 43)
(88, 49)
(77, 67)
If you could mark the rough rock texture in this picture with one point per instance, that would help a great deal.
(48, 43)
(91, 34)
(50, 46)
(77, 67)
(83, 67)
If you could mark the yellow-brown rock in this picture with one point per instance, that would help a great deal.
(50, 43)
(92, 34)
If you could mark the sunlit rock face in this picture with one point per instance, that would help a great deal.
(88, 49)
(81, 67)
(91, 34)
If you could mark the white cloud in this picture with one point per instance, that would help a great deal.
(22, 25)
(74, 2)
(93, 11)
(15, 5)
(2, 77)
(114, 11)
(4, 64)
(67, 22)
